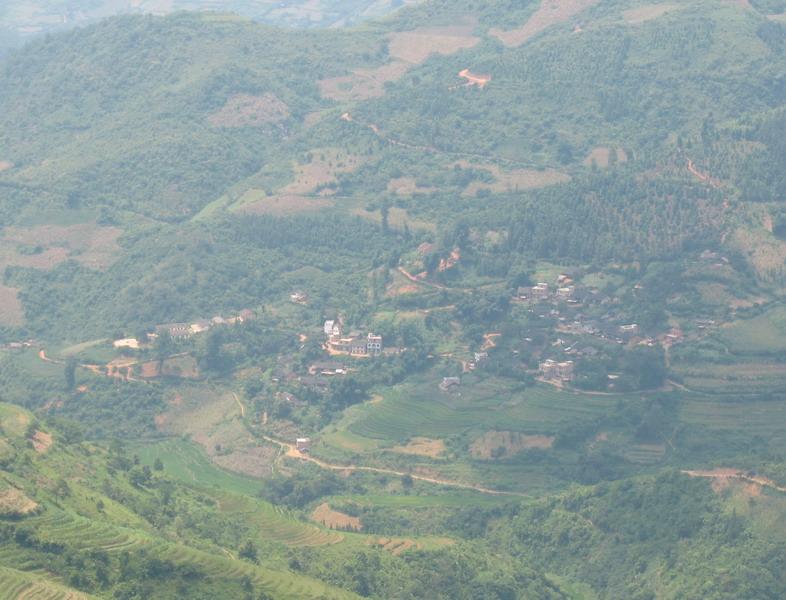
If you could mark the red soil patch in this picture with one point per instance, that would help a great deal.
(243, 110)
(550, 12)
(416, 46)
(472, 79)
(42, 441)
(11, 311)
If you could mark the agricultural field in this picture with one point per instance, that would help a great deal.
(764, 334)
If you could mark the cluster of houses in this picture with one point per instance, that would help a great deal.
(354, 344)
(564, 291)
(186, 330)
(552, 370)
(19, 345)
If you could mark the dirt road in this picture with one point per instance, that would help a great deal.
(292, 452)
(737, 474)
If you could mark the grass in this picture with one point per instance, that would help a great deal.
(422, 410)
(81, 533)
(14, 420)
(763, 334)
(753, 417)
(188, 463)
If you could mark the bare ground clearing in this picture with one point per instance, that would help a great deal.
(11, 310)
(285, 204)
(362, 84)
(244, 110)
(42, 441)
(512, 180)
(335, 519)
(421, 446)
(503, 444)
(417, 45)
(13, 501)
(550, 12)
(648, 12)
(45, 246)
(5, 165)
(407, 186)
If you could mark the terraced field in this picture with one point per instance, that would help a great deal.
(17, 585)
(754, 417)
(279, 523)
(425, 411)
(82, 534)
(188, 463)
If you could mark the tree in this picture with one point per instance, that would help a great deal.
(158, 465)
(69, 372)
(164, 346)
(249, 552)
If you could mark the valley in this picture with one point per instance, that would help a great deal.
(443, 299)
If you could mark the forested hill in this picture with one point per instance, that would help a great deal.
(591, 131)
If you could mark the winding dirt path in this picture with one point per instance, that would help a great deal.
(737, 474)
(292, 452)
(703, 177)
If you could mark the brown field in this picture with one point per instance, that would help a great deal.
(421, 446)
(397, 217)
(602, 156)
(184, 367)
(5, 165)
(11, 311)
(647, 12)
(322, 170)
(550, 12)
(512, 181)
(362, 84)
(407, 186)
(416, 46)
(310, 179)
(212, 420)
(764, 252)
(14, 502)
(511, 443)
(284, 205)
(243, 110)
(335, 519)
(88, 243)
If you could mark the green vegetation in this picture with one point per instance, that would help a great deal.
(185, 201)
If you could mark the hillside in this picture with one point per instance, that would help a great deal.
(481, 299)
